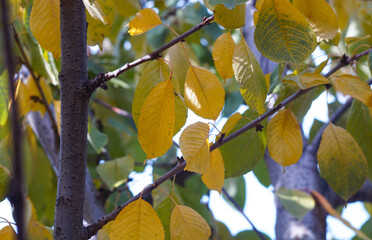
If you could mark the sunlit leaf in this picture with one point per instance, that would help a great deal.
(145, 20)
(230, 4)
(44, 25)
(234, 18)
(157, 120)
(97, 31)
(204, 93)
(229, 125)
(282, 34)
(306, 80)
(104, 233)
(341, 161)
(222, 55)
(3, 98)
(284, 140)
(353, 86)
(215, 175)
(250, 78)
(102, 10)
(297, 203)
(195, 147)
(359, 125)
(187, 224)
(321, 17)
(137, 221)
(115, 172)
(7, 233)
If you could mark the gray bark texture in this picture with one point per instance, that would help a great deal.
(74, 116)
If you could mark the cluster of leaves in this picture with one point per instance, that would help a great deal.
(160, 94)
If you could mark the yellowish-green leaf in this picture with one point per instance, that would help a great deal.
(194, 145)
(215, 175)
(30, 98)
(7, 233)
(157, 120)
(298, 203)
(256, 14)
(229, 125)
(282, 34)
(321, 66)
(250, 78)
(137, 221)
(234, 18)
(102, 10)
(204, 93)
(353, 86)
(351, 40)
(156, 72)
(341, 161)
(104, 233)
(230, 4)
(44, 25)
(145, 20)
(284, 140)
(187, 224)
(312, 79)
(13, 9)
(127, 7)
(97, 31)
(223, 51)
(321, 17)
(37, 231)
(115, 172)
(57, 112)
(344, 10)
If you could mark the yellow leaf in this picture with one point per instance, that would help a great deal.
(57, 111)
(155, 72)
(257, 13)
(204, 93)
(104, 233)
(227, 18)
(313, 79)
(7, 233)
(145, 20)
(30, 98)
(37, 231)
(341, 161)
(127, 8)
(284, 140)
(282, 34)
(194, 145)
(353, 86)
(267, 79)
(229, 125)
(187, 224)
(344, 10)
(250, 78)
(102, 10)
(215, 175)
(137, 221)
(96, 31)
(44, 25)
(320, 16)
(157, 120)
(222, 55)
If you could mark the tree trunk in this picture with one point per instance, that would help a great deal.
(74, 106)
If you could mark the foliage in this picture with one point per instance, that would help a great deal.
(204, 74)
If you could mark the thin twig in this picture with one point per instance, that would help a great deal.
(100, 79)
(116, 110)
(16, 193)
(259, 234)
(36, 79)
(93, 228)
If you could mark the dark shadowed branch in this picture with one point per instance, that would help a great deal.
(16, 192)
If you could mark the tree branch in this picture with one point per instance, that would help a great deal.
(16, 193)
(259, 234)
(116, 110)
(93, 228)
(100, 79)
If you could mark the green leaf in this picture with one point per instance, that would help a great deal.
(221, 232)
(296, 202)
(234, 18)
(370, 61)
(317, 125)
(96, 138)
(242, 154)
(262, 174)
(4, 169)
(366, 229)
(251, 235)
(230, 4)
(3, 99)
(250, 78)
(359, 125)
(235, 187)
(282, 34)
(115, 172)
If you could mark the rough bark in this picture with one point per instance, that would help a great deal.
(74, 116)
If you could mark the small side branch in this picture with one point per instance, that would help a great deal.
(100, 79)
